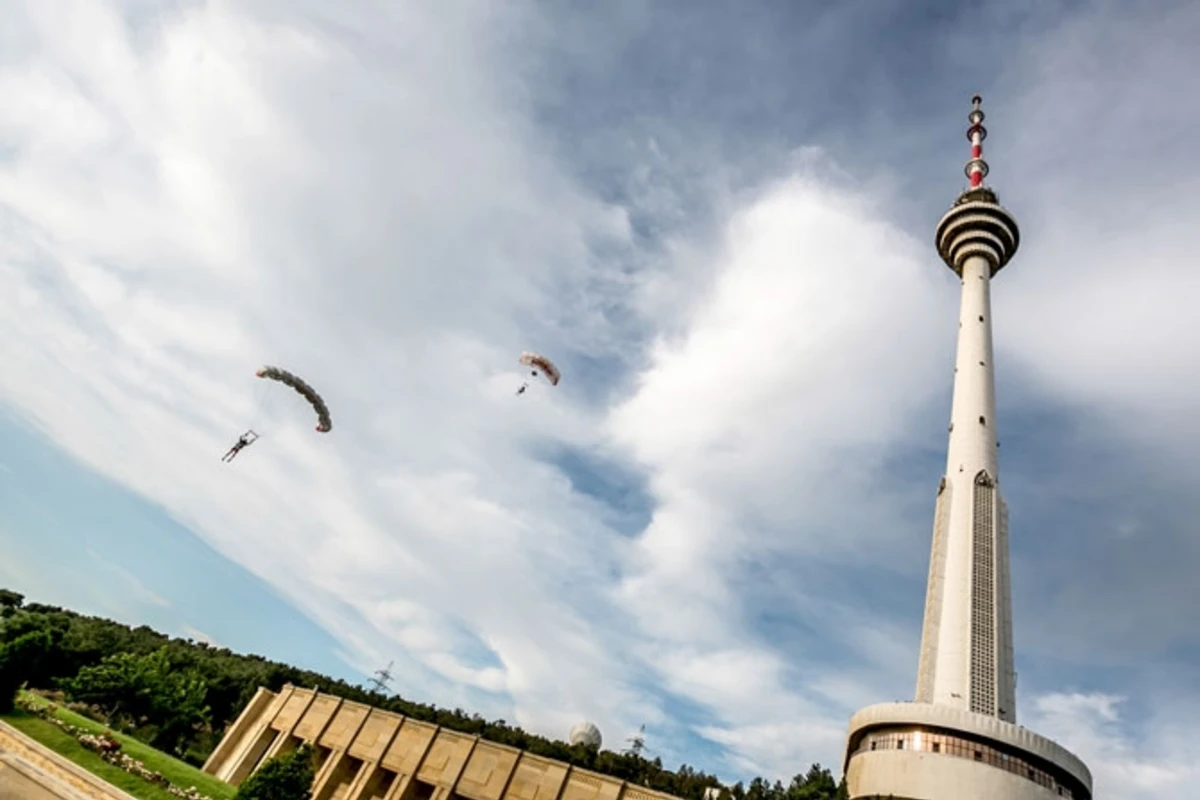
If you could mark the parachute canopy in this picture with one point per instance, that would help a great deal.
(324, 423)
(542, 363)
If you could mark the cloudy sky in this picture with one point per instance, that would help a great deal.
(717, 219)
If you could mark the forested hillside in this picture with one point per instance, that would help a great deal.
(179, 696)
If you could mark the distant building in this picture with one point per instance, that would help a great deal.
(366, 753)
(586, 734)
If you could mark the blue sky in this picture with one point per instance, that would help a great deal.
(110, 552)
(717, 219)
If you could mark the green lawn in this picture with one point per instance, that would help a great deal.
(177, 772)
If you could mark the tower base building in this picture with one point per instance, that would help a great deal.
(959, 740)
(922, 751)
(366, 753)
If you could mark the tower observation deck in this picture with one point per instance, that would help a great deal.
(960, 739)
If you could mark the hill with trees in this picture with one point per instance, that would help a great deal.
(179, 696)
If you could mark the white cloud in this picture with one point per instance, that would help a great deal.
(198, 635)
(1161, 763)
(793, 379)
(139, 590)
(1099, 306)
(184, 204)
(20, 574)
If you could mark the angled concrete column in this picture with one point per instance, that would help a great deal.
(323, 772)
(444, 791)
(235, 734)
(358, 789)
(321, 787)
(255, 746)
(285, 735)
(401, 788)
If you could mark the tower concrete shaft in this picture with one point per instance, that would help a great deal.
(966, 645)
(960, 740)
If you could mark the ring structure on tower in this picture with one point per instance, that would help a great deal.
(977, 225)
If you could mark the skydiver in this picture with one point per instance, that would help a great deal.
(246, 439)
(525, 385)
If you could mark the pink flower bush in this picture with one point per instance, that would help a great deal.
(109, 749)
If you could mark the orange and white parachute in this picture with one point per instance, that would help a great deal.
(538, 361)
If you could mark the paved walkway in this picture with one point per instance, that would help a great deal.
(31, 771)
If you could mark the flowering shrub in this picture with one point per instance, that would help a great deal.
(109, 749)
(91, 711)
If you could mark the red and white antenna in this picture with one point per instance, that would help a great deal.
(977, 168)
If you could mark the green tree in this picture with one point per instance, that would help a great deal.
(22, 622)
(817, 784)
(178, 710)
(759, 789)
(224, 681)
(21, 659)
(145, 687)
(286, 777)
(10, 601)
(117, 684)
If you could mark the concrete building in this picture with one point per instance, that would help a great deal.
(365, 753)
(960, 740)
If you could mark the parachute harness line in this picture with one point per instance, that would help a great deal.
(976, 169)
(260, 400)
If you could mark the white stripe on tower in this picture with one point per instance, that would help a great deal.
(977, 168)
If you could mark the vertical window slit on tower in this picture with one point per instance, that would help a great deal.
(983, 420)
(981, 317)
(983, 597)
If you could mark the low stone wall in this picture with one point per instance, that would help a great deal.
(20, 780)
(59, 777)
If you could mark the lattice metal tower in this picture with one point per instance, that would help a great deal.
(379, 683)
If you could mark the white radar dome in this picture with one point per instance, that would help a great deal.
(587, 734)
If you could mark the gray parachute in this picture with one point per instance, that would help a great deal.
(324, 423)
